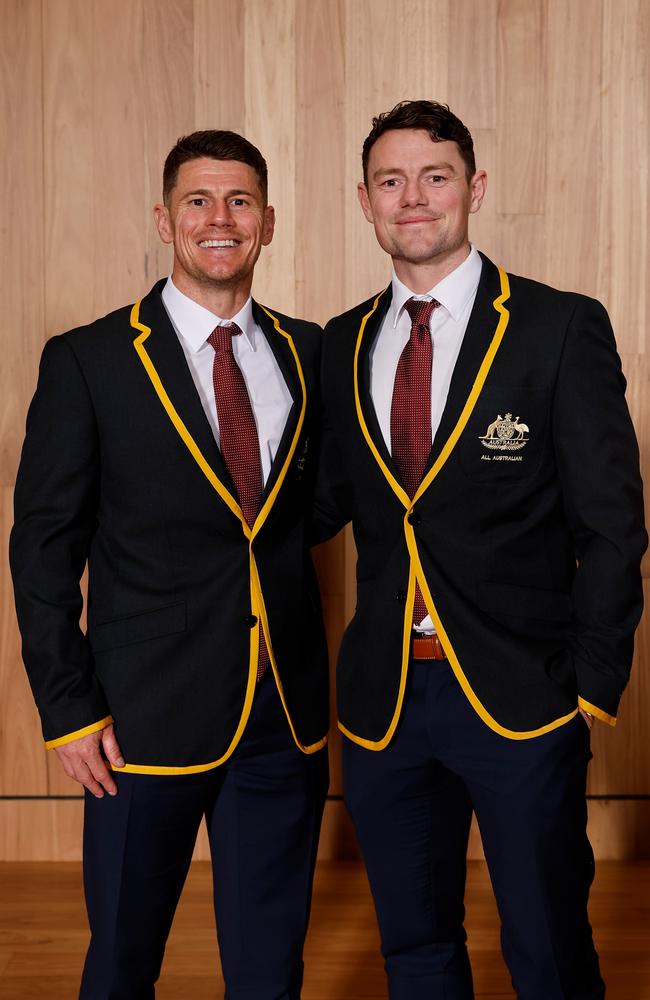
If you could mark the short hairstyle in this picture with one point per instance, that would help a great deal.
(216, 144)
(436, 119)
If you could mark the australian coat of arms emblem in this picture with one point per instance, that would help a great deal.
(505, 434)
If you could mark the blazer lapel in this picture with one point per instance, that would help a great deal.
(164, 360)
(287, 364)
(483, 322)
(364, 347)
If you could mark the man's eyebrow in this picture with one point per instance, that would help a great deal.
(204, 192)
(387, 171)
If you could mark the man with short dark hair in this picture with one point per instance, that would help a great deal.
(168, 445)
(477, 436)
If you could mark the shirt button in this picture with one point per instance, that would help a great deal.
(414, 519)
(250, 621)
(401, 596)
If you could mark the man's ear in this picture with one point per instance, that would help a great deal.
(269, 225)
(364, 201)
(163, 223)
(477, 189)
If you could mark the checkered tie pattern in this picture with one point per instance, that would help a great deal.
(410, 415)
(240, 444)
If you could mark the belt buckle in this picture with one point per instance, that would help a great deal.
(427, 647)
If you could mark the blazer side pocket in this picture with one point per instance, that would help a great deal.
(139, 627)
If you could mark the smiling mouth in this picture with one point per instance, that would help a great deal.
(218, 244)
(410, 222)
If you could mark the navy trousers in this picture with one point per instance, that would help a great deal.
(263, 809)
(412, 804)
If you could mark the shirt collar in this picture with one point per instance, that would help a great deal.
(453, 292)
(194, 323)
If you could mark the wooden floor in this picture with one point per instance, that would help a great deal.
(43, 935)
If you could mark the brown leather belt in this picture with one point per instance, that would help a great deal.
(427, 647)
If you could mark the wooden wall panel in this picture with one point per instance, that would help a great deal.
(219, 59)
(168, 106)
(118, 151)
(522, 123)
(571, 130)
(22, 254)
(21, 245)
(623, 245)
(383, 67)
(320, 160)
(472, 83)
(557, 94)
(71, 242)
(270, 123)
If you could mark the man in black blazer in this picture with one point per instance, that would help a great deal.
(477, 436)
(168, 447)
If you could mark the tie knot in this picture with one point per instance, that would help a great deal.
(221, 336)
(420, 310)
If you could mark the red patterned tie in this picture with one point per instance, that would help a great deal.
(410, 415)
(240, 444)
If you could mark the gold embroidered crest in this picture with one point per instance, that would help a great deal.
(505, 434)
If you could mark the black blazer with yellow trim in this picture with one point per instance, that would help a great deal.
(120, 468)
(526, 533)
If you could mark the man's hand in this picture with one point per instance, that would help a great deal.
(83, 761)
(589, 719)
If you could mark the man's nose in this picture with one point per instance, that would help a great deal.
(412, 193)
(220, 214)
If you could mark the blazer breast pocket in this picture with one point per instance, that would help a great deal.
(140, 627)
(505, 436)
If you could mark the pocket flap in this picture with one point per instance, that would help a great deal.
(138, 627)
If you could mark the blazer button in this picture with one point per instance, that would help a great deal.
(250, 621)
(414, 519)
(401, 596)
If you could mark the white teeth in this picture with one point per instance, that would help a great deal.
(218, 243)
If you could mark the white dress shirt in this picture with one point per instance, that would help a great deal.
(269, 395)
(456, 294)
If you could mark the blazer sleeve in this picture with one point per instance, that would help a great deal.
(598, 464)
(55, 504)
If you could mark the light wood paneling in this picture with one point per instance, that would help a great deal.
(46, 830)
(219, 60)
(383, 67)
(70, 225)
(571, 135)
(623, 245)
(168, 94)
(270, 74)
(557, 94)
(21, 247)
(119, 166)
(522, 123)
(472, 81)
(320, 160)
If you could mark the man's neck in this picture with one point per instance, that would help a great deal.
(223, 300)
(421, 278)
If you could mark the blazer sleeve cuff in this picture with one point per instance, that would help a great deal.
(598, 713)
(86, 731)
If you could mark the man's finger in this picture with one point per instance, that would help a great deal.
(111, 747)
(98, 770)
(83, 774)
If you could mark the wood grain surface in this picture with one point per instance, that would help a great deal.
(95, 92)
